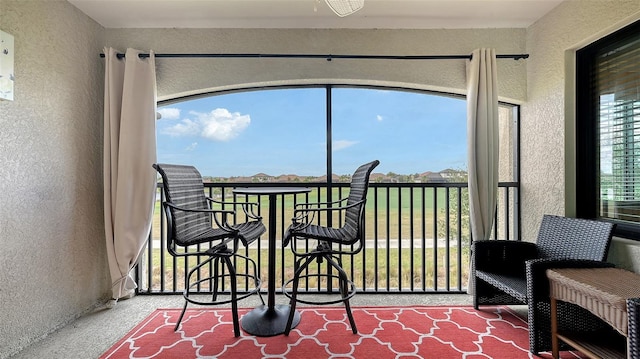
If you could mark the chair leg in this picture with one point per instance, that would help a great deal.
(215, 284)
(234, 296)
(185, 294)
(476, 303)
(184, 309)
(347, 306)
(344, 291)
(257, 278)
(261, 299)
(294, 293)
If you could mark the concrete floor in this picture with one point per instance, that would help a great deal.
(91, 335)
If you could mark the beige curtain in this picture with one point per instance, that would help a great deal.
(482, 140)
(129, 152)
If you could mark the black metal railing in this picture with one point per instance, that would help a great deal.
(417, 237)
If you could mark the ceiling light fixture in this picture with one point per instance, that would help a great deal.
(345, 7)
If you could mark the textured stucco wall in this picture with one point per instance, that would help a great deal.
(547, 137)
(53, 262)
(186, 76)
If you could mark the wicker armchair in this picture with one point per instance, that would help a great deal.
(197, 227)
(513, 272)
(315, 243)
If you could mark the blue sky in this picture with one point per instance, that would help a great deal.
(282, 131)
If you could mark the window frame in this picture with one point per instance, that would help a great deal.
(515, 108)
(587, 134)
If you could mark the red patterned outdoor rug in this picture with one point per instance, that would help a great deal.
(323, 332)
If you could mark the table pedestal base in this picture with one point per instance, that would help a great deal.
(263, 322)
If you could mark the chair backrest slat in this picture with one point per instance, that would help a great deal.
(354, 216)
(184, 188)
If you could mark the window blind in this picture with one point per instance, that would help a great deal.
(615, 83)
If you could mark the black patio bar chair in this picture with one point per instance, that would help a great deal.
(198, 226)
(330, 242)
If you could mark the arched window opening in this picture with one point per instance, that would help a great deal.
(314, 133)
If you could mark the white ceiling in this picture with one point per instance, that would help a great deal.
(380, 14)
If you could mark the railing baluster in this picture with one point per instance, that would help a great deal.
(423, 247)
(507, 233)
(435, 239)
(497, 223)
(446, 241)
(388, 236)
(376, 262)
(411, 245)
(399, 239)
(459, 214)
(162, 248)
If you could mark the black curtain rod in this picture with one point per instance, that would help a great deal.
(328, 57)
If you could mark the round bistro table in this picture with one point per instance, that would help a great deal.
(271, 319)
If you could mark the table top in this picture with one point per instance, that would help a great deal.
(606, 282)
(602, 291)
(271, 190)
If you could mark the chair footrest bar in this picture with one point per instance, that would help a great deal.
(187, 294)
(343, 297)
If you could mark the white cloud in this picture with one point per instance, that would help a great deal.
(217, 125)
(379, 118)
(186, 127)
(192, 146)
(169, 113)
(342, 144)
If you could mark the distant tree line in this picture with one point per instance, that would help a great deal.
(448, 175)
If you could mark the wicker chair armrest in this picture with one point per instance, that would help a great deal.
(537, 281)
(499, 256)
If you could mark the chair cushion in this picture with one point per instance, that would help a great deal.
(248, 232)
(513, 285)
(329, 234)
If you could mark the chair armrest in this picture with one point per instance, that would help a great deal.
(326, 209)
(499, 256)
(249, 208)
(303, 217)
(219, 215)
(537, 281)
(200, 210)
(324, 205)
